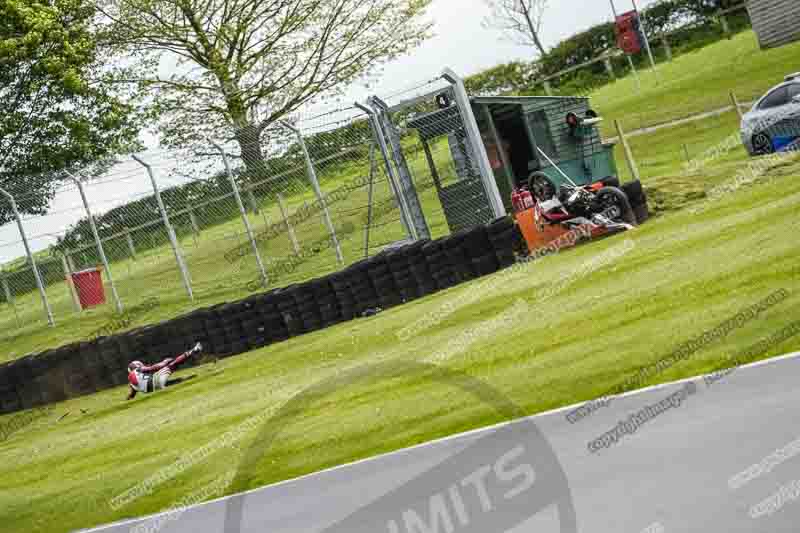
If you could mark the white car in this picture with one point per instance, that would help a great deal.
(773, 125)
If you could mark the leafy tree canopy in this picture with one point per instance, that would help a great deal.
(54, 110)
(241, 65)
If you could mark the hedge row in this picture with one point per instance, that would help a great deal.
(689, 24)
(390, 278)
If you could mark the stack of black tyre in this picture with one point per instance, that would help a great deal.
(381, 277)
(388, 279)
(442, 274)
(504, 236)
(398, 261)
(342, 284)
(307, 308)
(638, 200)
(420, 269)
(364, 292)
(328, 304)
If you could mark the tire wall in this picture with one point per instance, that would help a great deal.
(385, 280)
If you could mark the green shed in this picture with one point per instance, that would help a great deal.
(523, 135)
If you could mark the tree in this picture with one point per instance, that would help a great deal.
(521, 20)
(54, 113)
(242, 65)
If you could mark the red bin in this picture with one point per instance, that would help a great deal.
(89, 284)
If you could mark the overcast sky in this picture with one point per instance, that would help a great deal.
(460, 43)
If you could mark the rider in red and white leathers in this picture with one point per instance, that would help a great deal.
(143, 378)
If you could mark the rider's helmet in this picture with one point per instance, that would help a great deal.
(134, 365)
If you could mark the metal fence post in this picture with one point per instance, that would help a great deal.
(243, 212)
(407, 187)
(289, 228)
(35, 268)
(635, 73)
(474, 135)
(378, 134)
(173, 240)
(97, 241)
(312, 175)
(736, 106)
(647, 43)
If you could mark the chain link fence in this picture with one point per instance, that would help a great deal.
(266, 208)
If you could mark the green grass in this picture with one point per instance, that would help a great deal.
(684, 275)
(696, 81)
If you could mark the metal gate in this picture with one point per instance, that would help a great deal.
(442, 173)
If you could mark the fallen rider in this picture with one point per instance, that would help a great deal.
(144, 379)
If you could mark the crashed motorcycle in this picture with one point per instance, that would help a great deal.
(602, 205)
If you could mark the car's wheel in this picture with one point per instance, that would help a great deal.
(762, 144)
(541, 186)
(615, 205)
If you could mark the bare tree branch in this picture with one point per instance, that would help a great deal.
(520, 20)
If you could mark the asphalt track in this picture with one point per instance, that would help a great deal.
(672, 474)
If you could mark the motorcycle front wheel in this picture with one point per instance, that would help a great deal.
(541, 186)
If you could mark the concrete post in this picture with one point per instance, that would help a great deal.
(243, 212)
(251, 198)
(609, 68)
(667, 47)
(628, 153)
(193, 221)
(6, 290)
(726, 28)
(173, 240)
(474, 135)
(73, 292)
(131, 246)
(736, 106)
(34, 266)
(9, 296)
(70, 262)
(289, 228)
(312, 176)
(100, 250)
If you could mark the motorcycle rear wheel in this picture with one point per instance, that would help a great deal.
(615, 205)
